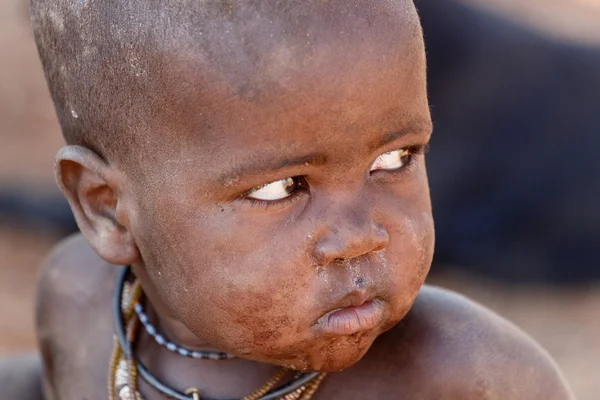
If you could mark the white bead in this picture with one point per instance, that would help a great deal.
(126, 394)
(121, 374)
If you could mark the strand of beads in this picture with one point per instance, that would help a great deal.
(260, 392)
(175, 348)
(121, 374)
(122, 382)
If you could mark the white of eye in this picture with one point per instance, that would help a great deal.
(391, 160)
(275, 190)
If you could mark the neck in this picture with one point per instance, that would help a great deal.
(219, 379)
(164, 320)
(173, 331)
(228, 379)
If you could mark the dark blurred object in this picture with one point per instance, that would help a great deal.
(36, 211)
(24, 375)
(514, 170)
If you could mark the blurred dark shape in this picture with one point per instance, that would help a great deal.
(514, 170)
(35, 211)
(514, 181)
(24, 375)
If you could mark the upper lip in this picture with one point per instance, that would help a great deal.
(354, 298)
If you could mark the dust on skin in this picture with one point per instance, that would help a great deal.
(208, 261)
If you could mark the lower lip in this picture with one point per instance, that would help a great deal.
(349, 320)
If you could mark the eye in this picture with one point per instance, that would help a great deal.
(392, 160)
(277, 190)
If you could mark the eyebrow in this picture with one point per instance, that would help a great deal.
(395, 135)
(261, 166)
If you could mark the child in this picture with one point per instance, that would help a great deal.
(260, 167)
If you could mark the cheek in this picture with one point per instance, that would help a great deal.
(244, 284)
(409, 255)
(262, 325)
(424, 246)
(414, 233)
(232, 282)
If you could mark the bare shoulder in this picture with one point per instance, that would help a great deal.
(73, 278)
(73, 317)
(465, 351)
(73, 264)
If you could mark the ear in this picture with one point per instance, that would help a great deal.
(94, 191)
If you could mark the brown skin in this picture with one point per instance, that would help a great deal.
(446, 347)
(222, 270)
(253, 277)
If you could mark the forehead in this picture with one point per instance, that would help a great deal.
(333, 75)
(252, 43)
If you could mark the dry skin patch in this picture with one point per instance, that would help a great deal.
(566, 322)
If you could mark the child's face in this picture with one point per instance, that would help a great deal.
(253, 269)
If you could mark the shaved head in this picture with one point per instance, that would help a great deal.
(115, 67)
(188, 112)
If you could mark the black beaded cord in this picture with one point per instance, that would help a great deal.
(175, 348)
(274, 394)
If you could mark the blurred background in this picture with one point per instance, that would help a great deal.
(514, 169)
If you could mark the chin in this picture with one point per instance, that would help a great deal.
(340, 362)
(331, 354)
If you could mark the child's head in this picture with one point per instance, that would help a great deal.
(258, 163)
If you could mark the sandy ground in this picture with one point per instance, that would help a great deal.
(566, 322)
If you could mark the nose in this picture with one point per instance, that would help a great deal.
(351, 236)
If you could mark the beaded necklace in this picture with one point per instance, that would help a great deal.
(173, 347)
(124, 368)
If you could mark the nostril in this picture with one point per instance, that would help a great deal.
(338, 246)
(326, 250)
(379, 248)
(382, 238)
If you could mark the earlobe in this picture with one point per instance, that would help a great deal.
(94, 191)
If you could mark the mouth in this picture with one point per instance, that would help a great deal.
(355, 313)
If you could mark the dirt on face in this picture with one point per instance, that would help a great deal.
(564, 321)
